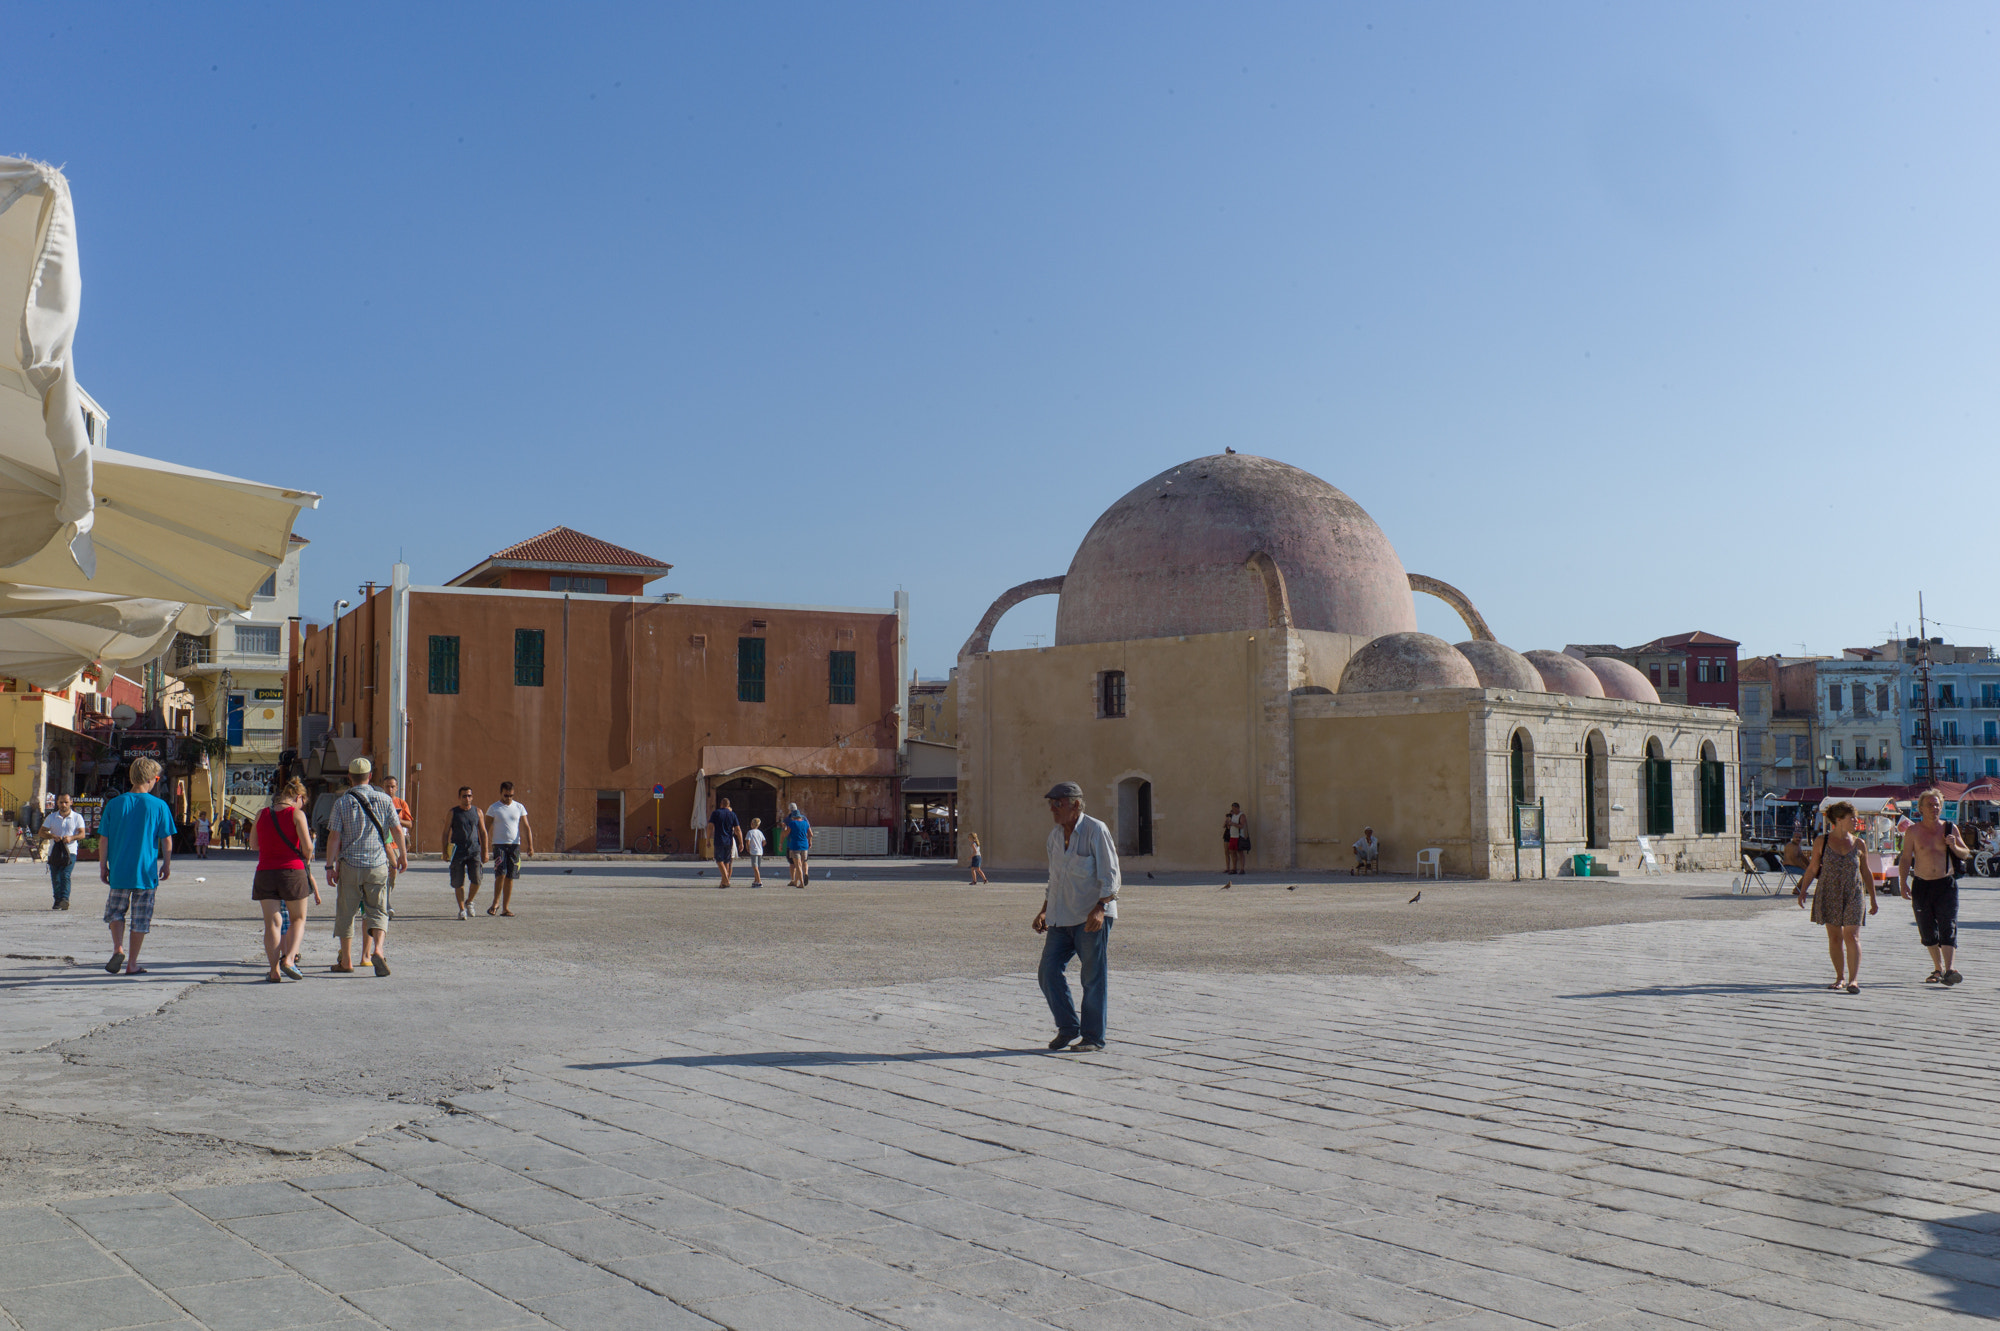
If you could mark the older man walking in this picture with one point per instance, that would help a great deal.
(1076, 918)
(363, 838)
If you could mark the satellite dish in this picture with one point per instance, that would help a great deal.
(123, 714)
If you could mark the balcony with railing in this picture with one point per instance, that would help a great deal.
(193, 656)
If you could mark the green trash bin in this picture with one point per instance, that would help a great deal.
(1580, 865)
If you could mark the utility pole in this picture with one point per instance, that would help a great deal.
(1924, 671)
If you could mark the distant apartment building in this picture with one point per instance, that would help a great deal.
(1964, 713)
(1859, 721)
(1693, 669)
(1778, 699)
(612, 707)
(236, 679)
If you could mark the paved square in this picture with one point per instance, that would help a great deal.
(1662, 1124)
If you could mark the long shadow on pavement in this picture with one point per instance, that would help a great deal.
(802, 1056)
(1679, 990)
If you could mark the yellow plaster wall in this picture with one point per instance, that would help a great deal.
(1406, 775)
(1030, 720)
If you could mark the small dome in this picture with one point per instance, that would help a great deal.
(1565, 674)
(1501, 667)
(1168, 558)
(1407, 663)
(1621, 680)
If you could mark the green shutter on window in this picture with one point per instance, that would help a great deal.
(444, 664)
(1659, 796)
(1714, 809)
(840, 677)
(528, 658)
(749, 670)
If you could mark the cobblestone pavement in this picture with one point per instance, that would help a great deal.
(1655, 1125)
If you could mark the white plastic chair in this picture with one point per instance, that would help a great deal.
(1432, 858)
(1648, 861)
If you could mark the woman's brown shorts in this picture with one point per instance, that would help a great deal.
(281, 885)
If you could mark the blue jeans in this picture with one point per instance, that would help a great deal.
(59, 880)
(1093, 951)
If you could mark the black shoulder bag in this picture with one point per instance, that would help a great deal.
(373, 821)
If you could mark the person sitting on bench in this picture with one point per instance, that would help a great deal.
(1367, 854)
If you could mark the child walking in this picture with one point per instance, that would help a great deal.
(753, 846)
(1842, 874)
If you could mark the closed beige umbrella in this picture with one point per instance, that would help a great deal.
(77, 515)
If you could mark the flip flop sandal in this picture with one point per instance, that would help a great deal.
(1935, 977)
(289, 971)
(137, 970)
(1837, 986)
(117, 963)
(381, 966)
(1853, 988)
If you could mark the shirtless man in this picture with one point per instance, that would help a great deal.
(1932, 891)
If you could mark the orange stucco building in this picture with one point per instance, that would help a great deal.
(552, 665)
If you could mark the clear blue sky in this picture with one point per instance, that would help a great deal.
(1627, 322)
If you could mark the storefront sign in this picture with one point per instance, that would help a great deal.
(138, 746)
(6, 762)
(270, 695)
(252, 780)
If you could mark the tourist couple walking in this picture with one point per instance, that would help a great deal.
(1925, 870)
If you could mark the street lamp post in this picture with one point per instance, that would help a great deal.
(333, 667)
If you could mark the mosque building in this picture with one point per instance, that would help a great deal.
(1236, 630)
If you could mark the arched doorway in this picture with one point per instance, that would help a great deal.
(1135, 816)
(751, 798)
(1596, 792)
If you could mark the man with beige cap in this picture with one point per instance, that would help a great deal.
(364, 837)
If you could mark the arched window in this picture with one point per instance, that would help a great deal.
(1521, 767)
(1596, 791)
(1135, 816)
(1714, 791)
(1659, 790)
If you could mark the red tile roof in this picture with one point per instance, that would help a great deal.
(1694, 639)
(565, 545)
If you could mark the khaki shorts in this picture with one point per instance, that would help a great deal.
(364, 890)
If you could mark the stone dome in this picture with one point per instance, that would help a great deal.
(1169, 558)
(1621, 680)
(1501, 667)
(1565, 674)
(1407, 663)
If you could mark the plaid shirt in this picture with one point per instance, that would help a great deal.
(359, 845)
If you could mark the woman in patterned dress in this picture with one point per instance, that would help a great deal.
(1840, 869)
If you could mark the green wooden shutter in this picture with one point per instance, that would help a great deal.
(1714, 809)
(749, 670)
(528, 657)
(444, 664)
(840, 677)
(1659, 796)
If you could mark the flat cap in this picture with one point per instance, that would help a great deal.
(1065, 790)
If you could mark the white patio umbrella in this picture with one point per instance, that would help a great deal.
(74, 514)
(49, 636)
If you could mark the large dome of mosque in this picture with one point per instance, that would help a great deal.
(1170, 558)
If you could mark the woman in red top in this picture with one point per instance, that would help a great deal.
(283, 879)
